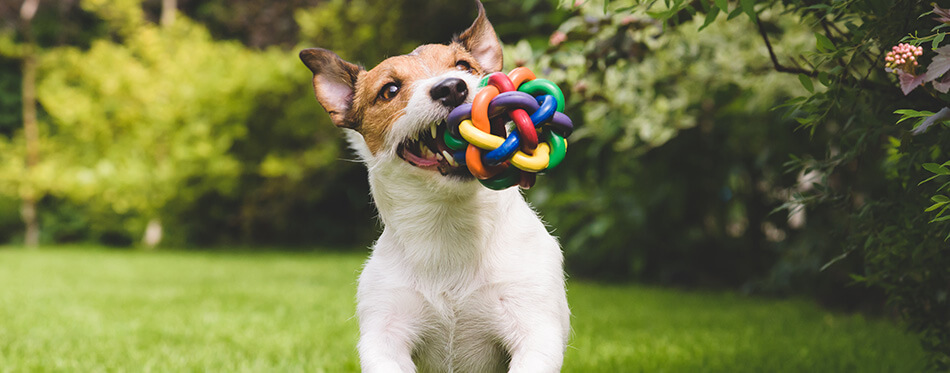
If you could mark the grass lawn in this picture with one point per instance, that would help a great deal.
(89, 309)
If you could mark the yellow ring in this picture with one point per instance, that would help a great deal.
(478, 138)
(533, 163)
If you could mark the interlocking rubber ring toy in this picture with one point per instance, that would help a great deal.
(497, 157)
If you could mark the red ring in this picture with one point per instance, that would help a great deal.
(529, 135)
(527, 179)
(501, 81)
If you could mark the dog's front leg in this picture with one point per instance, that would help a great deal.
(390, 324)
(536, 333)
(540, 351)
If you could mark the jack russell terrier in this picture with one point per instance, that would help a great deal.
(463, 278)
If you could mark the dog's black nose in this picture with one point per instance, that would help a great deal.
(450, 92)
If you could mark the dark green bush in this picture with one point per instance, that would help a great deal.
(865, 209)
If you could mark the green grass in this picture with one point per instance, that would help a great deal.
(98, 310)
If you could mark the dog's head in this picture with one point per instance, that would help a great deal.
(399, 106)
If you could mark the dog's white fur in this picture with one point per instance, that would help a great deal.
(462, 278)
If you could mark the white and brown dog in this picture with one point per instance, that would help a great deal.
(463, 278)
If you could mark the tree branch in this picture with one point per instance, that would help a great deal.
(779, 67)
(860, 83)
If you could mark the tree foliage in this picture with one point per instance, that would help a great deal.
(859, 180)
(678, 158)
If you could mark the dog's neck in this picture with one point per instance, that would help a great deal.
(425, 214)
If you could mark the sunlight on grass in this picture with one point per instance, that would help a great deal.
(173, 311)
(93, 309)
(633, 329)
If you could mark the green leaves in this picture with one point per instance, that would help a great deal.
(152, 119)
(745, 6)
(723, 5)
(910, 113)
(936, 168)
(748, 7)
(710, 17)
(823, 43)
(806, 82)
(941, 202)
(937, 40)
(921, 116)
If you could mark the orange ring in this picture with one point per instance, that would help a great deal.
(473, 160)
(520, 75)
(480, 108)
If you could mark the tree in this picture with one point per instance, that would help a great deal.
(24, 158)
(30, 127)
(150, 119)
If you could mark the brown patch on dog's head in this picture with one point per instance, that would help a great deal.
(370, 101)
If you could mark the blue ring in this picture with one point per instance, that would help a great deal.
(505, 151)
(459, 156)
(546, 111)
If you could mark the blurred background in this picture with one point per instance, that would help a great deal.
(747, 146)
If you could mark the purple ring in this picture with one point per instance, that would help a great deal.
(505, 101)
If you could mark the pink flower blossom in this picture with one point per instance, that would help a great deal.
(902, 60)
(557, 38)
(903, 57)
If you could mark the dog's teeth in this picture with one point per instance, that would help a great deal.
(432, 128)
(450, 158)
(438, 156)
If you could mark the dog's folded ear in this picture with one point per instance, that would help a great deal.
(480, 40)
(334, 82)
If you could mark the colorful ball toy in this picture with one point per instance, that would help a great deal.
(501, 158)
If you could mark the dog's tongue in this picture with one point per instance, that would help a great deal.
(417, 160)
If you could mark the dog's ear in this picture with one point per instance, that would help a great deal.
(334, 82)
(480, 40)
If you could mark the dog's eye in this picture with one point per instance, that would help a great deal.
(463, 66)
(388, 91)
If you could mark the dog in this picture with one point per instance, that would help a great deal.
(462, 278)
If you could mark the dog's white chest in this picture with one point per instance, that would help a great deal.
(466, 280)
(459, 336)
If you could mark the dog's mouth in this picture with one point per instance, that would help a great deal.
(426, 149)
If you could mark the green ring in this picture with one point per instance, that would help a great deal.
(558, 148)
(453, 143)
(506, 179)
(537, 86)
(483, 82)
